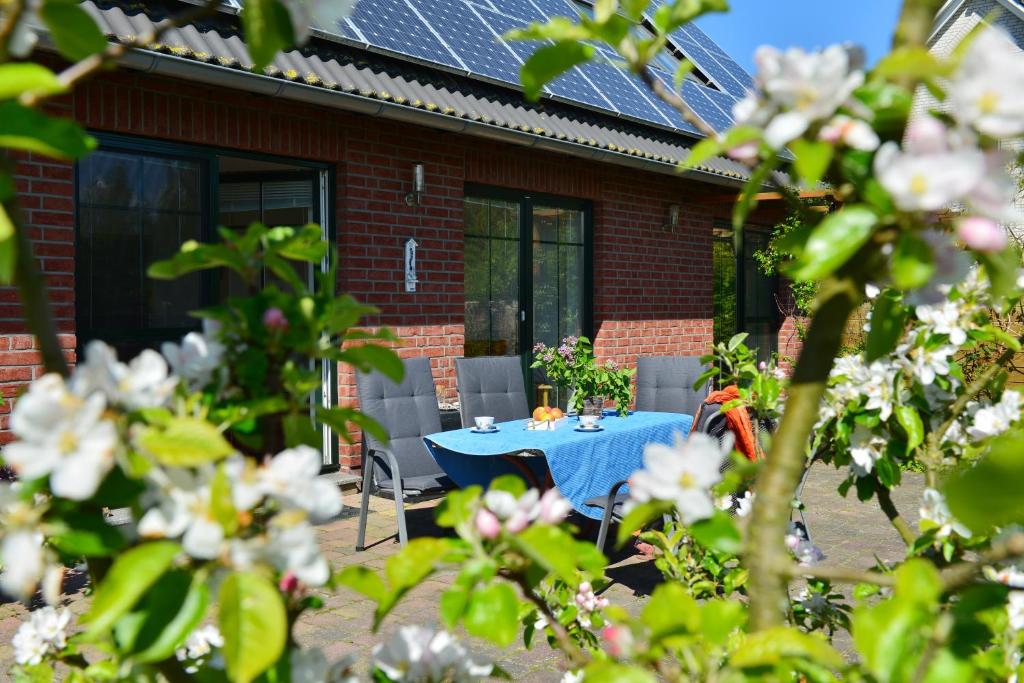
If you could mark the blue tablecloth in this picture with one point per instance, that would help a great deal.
(582, 465)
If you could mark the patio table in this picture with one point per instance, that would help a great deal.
(582, 465)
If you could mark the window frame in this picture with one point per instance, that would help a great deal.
(526, 201)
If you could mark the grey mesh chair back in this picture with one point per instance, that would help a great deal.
(665, 384)
(491, 385)
(408, 411)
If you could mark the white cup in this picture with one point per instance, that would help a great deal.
(588, 421)
(484, 422)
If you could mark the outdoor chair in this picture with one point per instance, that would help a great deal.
(402, 467)
(492, 386)
(708, 419)
(664, 384)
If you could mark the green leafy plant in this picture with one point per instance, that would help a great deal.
(572, 365)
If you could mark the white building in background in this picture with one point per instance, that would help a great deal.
(955, 21)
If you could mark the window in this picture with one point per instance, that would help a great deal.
(526, 272)
(744, 297)
(134, 209)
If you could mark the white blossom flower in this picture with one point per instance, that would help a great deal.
(143, 383)
(1011, 575)
(24, 562)
(880, 389)
(865, 450)
(199, 356)
(421, 655)
(996, 419)
(805, 552)
(744, 504)
(1015, 610)
(995, 193)
(853, 133)
(987, 91)
(180, 506)
(930, 172)
(935, 514)
(311, 666)
(518, 513)
(926, 364)
(572, 677)
(797, 89)
(682, 474)
(814, 602)
(292, 478)
(62, 435)
(44, 633)
(953, 266)
(289, 546)
(198, 648)
(945, 318)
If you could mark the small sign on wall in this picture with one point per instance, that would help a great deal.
(410, 265)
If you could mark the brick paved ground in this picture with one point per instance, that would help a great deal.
(849, 532)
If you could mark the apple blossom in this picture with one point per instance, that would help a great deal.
(311, 666)
(619, 639)
(553, 507)
(487, 524)
(805, 552)
(275, 319)
(180, 506)
(880, 389)
(853, 133)
(935, 514)
(982, 234)
(865, 450)
(945, 318)
(996, 419)
(926, 363)
(199, 356)
(931, 171)
(797, 89)
(1011, 576)
(198, 648)
(587, 602)
(142, 383)
(62, 435)
(44, 634)
(24, 562)
(415, 654)
(292, 477)
(987, 91)
(682, 474)
(1015, 610)
(995, 193)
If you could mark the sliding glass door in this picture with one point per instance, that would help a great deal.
(527, 273)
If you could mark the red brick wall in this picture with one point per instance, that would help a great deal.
(652, 283)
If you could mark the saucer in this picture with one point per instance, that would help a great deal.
(596, 428)
(493, 429)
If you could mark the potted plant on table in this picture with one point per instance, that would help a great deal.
(572, 365)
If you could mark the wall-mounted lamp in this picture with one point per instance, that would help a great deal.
(416, 196)
(673, 216)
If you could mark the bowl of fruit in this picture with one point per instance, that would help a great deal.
(545, 418)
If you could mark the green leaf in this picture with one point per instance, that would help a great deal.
(918, 581)
(362, 580)
(720, 618)
(457, 508)
(129, 578)
(988, 494)
(28, 78)
(367, 357)
(549, 547)
(912, 262)
(718, 532)
(267, 27)
(549, 62)
(168, 613)
(772, 646)
(833, 242)
(194, 256)
(671, 611)
(28, 130)
(299, 431)
(910, 420)
(888, 320)
(72, 29)
(885, 636)
(254, 624)
(87, 535)
(1001, 268)
(222, 505)
(915, 63)
(185, 442)
(493, 614)
(453, 605)
(812, 159)
(640, 516)
(613, 672)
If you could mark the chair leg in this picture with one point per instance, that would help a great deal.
(364, 503)
(602, 532)
(403, 535)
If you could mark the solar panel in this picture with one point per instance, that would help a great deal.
(667, 110)
(722, 100)
(394, 25)
(570, 85)
(629, 97)
(695, 97)
(481, 49)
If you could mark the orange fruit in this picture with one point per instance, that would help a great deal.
(540, 414)
(557, 414)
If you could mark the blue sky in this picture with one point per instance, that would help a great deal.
(803, 23)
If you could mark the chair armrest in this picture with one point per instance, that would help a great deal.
(609, 501)
(386, 457)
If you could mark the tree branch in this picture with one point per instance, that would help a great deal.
(80, 71)
(577, 658)
(889, 508)
(837, 574)
(15, 11)
(674, 100)
(959, 575)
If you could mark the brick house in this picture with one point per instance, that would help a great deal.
(533, 221)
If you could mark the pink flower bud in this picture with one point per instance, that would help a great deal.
(926, 135)
(585, 587)
(274, 319)
(619, 640)
(982, 234)
(519, 520)
(553, 507)
(745, 153)
(289, 583)
(487, 524)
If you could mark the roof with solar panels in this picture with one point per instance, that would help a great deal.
(449, 57)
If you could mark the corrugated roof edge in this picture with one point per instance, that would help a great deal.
(357, 86)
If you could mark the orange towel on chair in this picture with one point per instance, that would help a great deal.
(738, 420)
